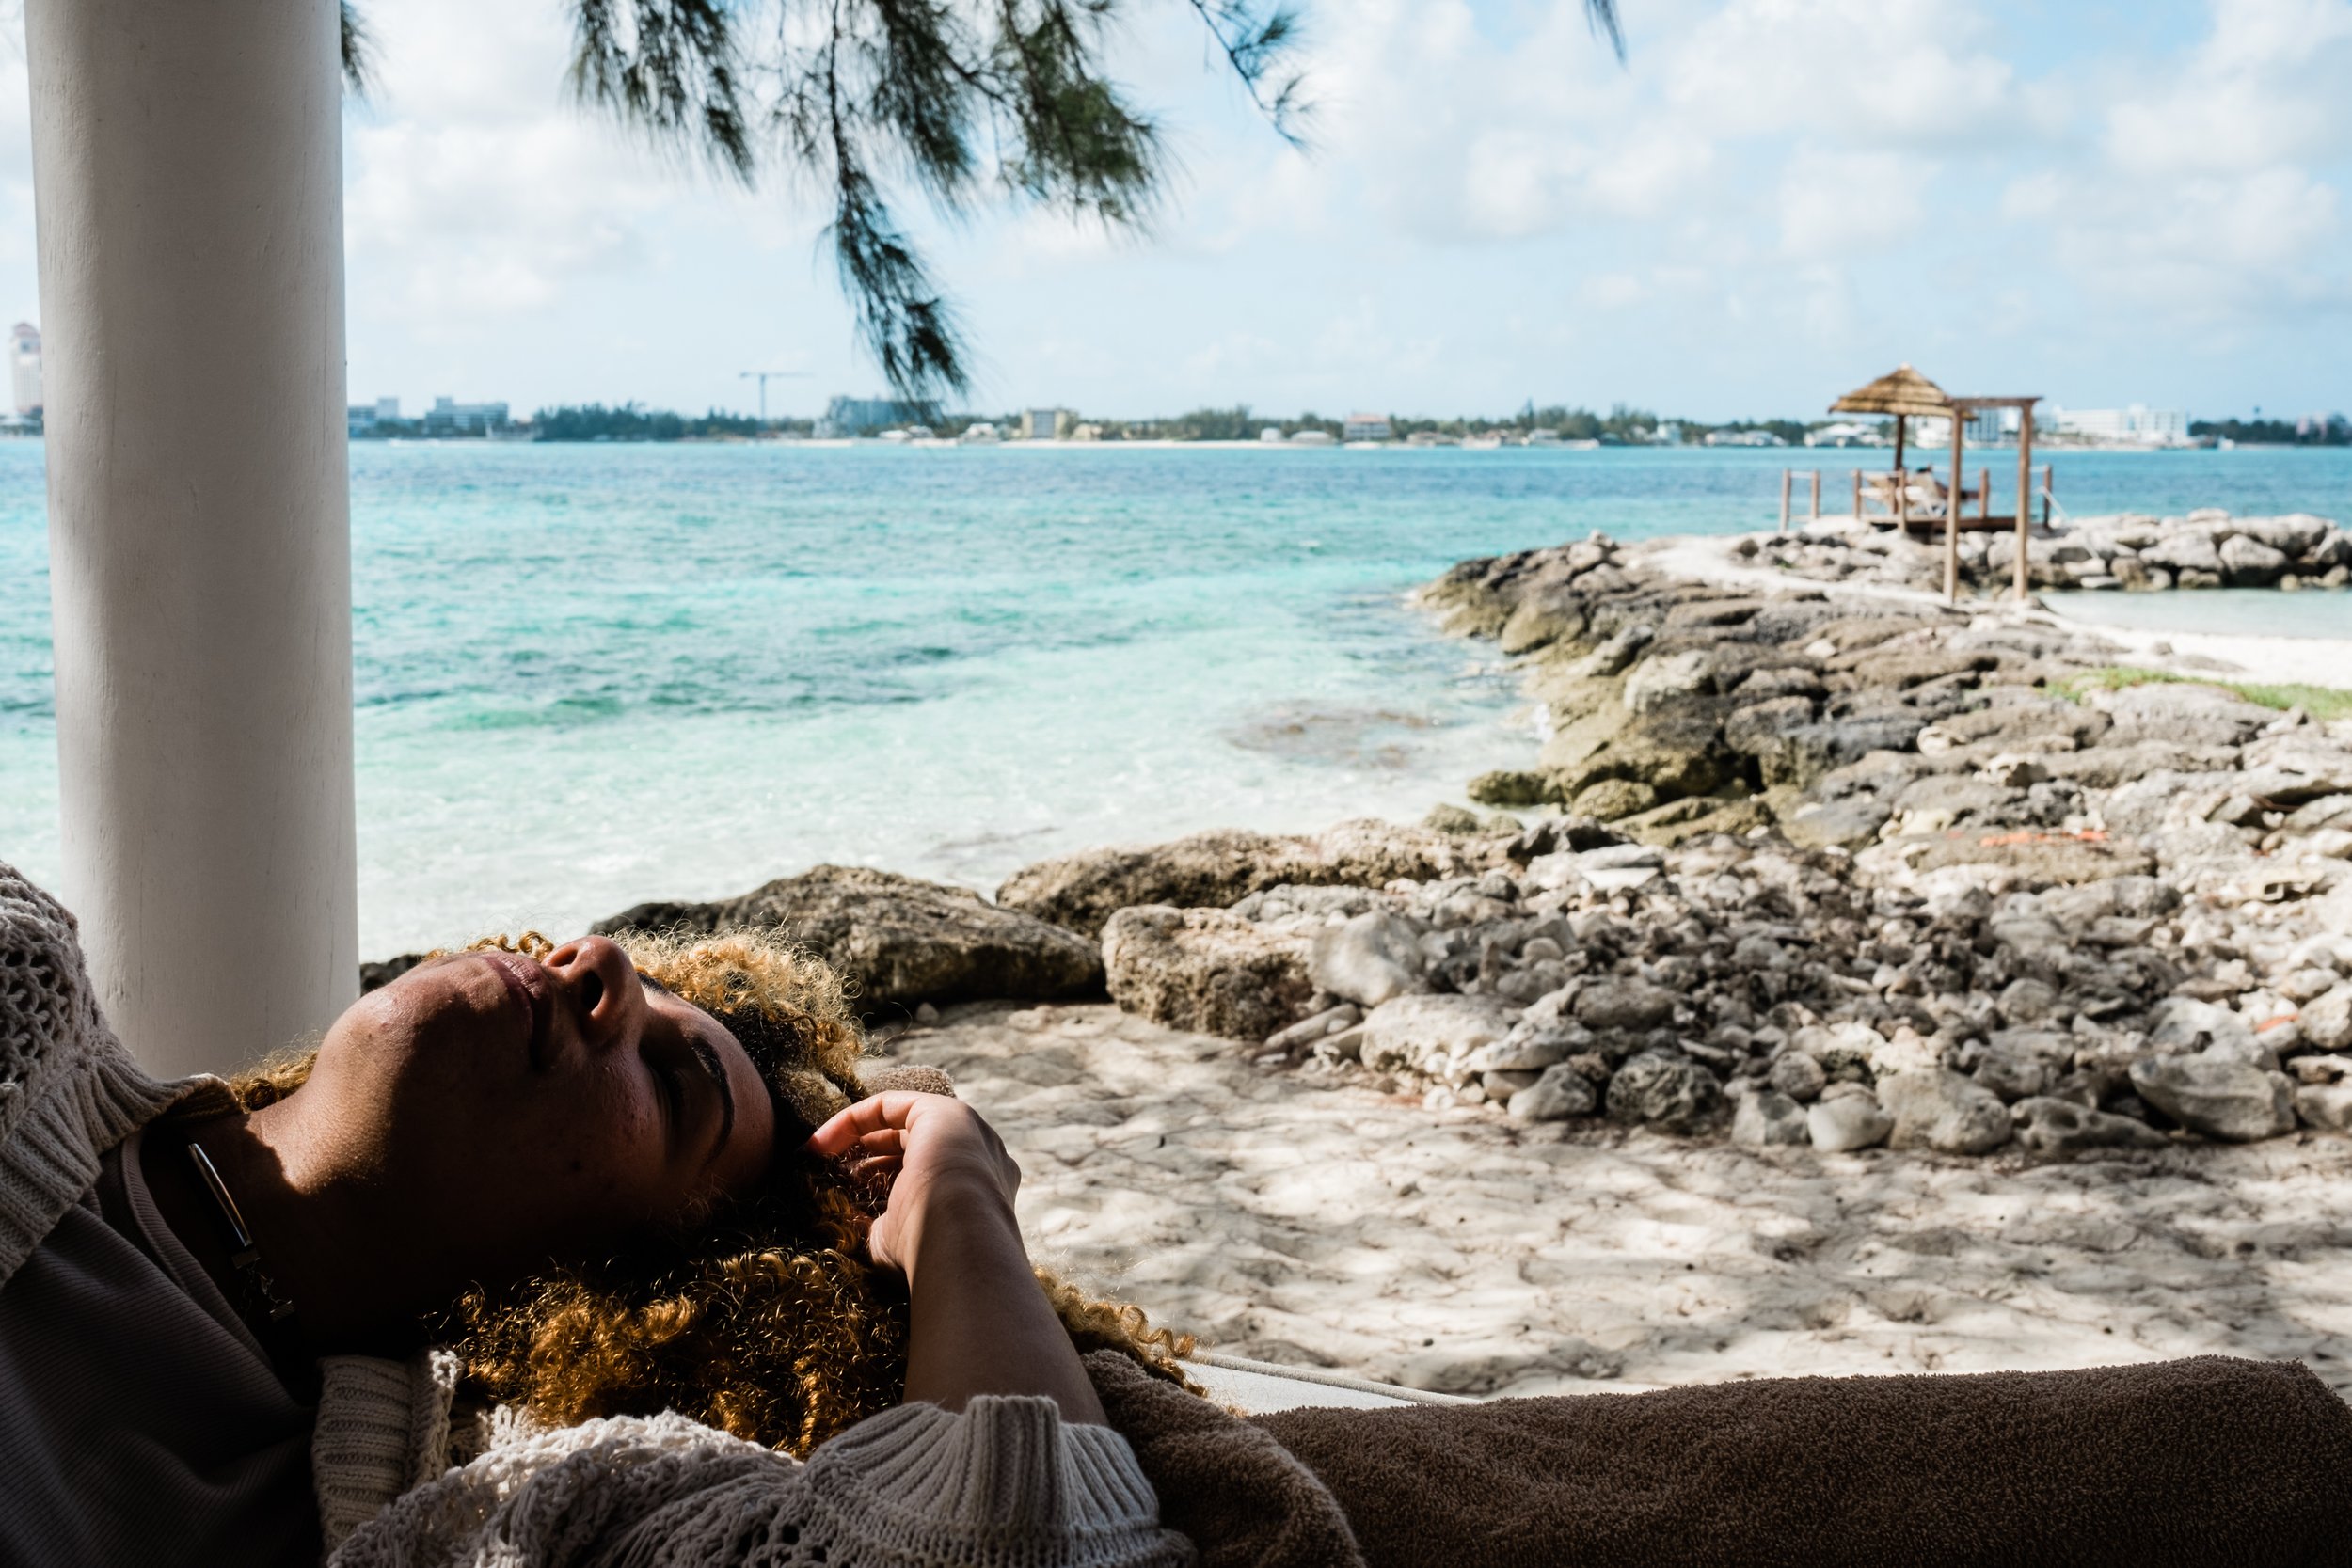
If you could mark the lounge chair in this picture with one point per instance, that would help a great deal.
(2204, 1461)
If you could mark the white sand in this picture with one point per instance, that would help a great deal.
(2238, 656)
(1281, 1218)
(2309, 661)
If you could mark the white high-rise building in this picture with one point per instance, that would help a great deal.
(25, 368)
(2155, 427)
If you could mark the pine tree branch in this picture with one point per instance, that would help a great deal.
(904, 86)
(357, 52)
(1601, 17)
(1254, 46)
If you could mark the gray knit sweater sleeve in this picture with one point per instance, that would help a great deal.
(69, 1091)
(1007, 1483)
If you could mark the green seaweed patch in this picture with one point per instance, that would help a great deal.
(2321, 702)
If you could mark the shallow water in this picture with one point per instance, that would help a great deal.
(2228, 611)
(592, 674)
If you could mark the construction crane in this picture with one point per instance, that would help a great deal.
(763, 377)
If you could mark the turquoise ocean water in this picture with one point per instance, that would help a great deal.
(592, 674)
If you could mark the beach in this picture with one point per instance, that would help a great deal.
(2009, 1026)
(1335, 1227)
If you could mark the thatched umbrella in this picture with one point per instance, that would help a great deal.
(1905, 393)
(1902, 392)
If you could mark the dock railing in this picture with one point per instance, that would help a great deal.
(2044, 493)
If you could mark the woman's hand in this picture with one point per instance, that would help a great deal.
(979, 1323)
(944, 1158)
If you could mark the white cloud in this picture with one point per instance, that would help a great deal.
(1456, 136)
(2032, 196)
(1844, 203)
(1362, 344)
(473, 190)
(472, 219)
(1611, 291)
(1864, 71)
(16, 172)
(1051, 237)
(2218, 250)
(2202, 204)
(2266, 86)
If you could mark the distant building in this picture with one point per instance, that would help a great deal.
(1365, 427)
(2320, 427)
(1045, 424)
(1542, 437)
(1990, 427)
(1744, 438)
(448, 417)
(979, 434)
(863, 416)
(1846, 432)
(2139, 424)
(1310, 437)
(25, 369)
(1271, 432)
(362, 419)
(1669, 434)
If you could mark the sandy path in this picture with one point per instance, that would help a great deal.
(1282, 1218)
(2286, 660)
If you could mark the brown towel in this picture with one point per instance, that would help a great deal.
(2205, 1461)
(1227, 1486)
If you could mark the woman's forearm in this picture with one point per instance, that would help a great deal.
(980, 1324)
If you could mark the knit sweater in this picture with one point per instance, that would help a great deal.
(69, 1091)
(1006, 1481)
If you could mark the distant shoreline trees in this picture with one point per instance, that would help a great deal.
(633, 421)
(2333, 430)
(1621, 425)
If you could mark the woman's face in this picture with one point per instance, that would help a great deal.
(507, 1112)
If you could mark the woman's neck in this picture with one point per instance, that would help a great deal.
(341, 1273)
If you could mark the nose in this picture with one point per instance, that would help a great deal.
(600, 984)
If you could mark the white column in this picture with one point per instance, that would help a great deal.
(187, 159)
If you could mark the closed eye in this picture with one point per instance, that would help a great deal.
(716, 1072)
(673, 1099)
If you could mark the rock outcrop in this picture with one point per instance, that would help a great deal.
(1213, 870)
(2127, 551)
(900, 940)
(1206, 970)
(1874, 872)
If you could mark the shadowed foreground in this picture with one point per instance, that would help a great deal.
(1455, 1250)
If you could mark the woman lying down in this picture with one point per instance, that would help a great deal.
(698, 1298)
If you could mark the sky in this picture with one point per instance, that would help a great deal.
(1767, 202)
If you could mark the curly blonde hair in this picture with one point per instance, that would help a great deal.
(765, 1317)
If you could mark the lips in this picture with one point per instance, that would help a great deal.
(527, 983)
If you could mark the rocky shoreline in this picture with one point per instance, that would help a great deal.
(1806, 859)
(1898, 872)
(2131, 551)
